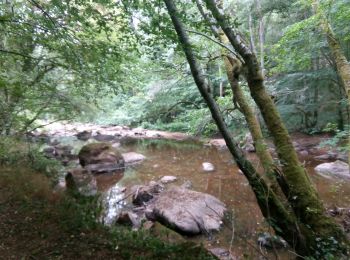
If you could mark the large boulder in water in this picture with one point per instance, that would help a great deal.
(337, 169)
(188, 212)
(103, 154)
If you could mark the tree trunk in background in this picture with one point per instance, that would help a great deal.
(303, 198)
(233, 70)
(251, 32)
(341, 63)
(271, 207)
(261, 37)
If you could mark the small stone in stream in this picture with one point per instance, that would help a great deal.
(139, 131)
(132, 157)
(84, 135)
(63, 152)
(269, 241)
(104, 138)
(187, 185)
(167, 179)
(208, 167)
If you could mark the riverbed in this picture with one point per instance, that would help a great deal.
(182, 157)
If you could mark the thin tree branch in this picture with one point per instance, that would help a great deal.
(213, 40)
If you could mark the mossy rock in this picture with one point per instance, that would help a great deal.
(100, 153)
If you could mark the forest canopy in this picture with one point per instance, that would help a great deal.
(84, 59)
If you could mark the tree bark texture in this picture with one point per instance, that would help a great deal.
(303, 198)
(271, 207)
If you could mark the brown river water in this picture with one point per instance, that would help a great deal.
(184, 160)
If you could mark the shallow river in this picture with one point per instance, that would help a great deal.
(184, 160)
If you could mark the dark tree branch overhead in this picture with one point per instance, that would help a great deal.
(37, 5)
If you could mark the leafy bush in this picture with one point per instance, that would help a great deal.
(340, 139)
(14, 152)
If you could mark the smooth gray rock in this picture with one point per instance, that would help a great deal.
(186, 211)
(132, 158)
(336, 169)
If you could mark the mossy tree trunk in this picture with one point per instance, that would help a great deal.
(272, 208)
(233, 69)
(303, 198)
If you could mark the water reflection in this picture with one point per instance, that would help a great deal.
(184, 160)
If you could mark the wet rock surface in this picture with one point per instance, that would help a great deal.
(337, 169)
(188, 212)
(132, 158)
(100, 154)
(78, 181)
(144, 193)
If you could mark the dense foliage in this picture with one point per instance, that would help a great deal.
(120, 63)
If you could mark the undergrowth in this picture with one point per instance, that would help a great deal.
(14, 152)
(37, 222)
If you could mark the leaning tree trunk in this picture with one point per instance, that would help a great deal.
(233, 69)
(271, 207)
(303, 197)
